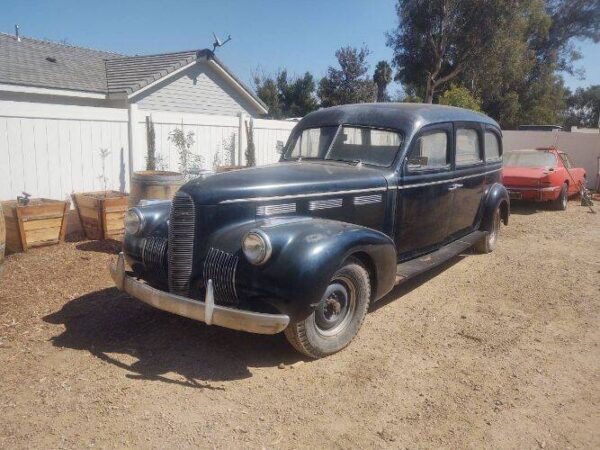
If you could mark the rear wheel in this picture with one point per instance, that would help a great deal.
(488, 243)
(563, 199)
(338, 316)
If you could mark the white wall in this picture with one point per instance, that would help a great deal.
(198, 90)
(53, 150)
(583, 148)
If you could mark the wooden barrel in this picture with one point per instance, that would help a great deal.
(2, 235)
(154, 185)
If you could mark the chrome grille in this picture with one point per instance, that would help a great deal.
(154, 252)
(181, 243)
(220, 267)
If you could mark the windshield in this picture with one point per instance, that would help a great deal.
(529, 159)
(351, 144)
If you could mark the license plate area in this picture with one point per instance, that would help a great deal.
(515, 195)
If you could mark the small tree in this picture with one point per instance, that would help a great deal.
(151, 159)
(189, 163)
(461, 97)
(104, 153)
(251, 149)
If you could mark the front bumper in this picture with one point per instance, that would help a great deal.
(539, 194)
(207, 311)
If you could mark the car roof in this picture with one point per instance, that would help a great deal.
(402, 116)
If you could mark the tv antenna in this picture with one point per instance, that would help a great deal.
(218, 43)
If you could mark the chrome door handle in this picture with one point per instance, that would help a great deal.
(454, 186)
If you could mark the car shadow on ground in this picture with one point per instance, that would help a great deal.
(410, 285)
(527, 208)
(109, 246)
(116, 328)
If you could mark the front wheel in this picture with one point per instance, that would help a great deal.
(338, 316)
(488, 243)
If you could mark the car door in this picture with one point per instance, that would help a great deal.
(469, 172)
(425, 192)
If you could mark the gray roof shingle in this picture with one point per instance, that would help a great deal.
(76, 68)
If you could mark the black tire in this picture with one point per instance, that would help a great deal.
(488, 243)
(339, 315)
(561, 202)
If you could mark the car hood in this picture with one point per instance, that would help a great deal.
(284, 179)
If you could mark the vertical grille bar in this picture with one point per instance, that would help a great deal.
(181, 243)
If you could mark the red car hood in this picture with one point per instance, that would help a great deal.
(523, 176)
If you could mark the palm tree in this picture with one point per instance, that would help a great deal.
(382, 77)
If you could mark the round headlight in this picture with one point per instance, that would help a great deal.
(133, 221)
(257, 247)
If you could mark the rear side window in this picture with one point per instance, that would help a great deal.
(430, 152)
(492, 147)
(467, 147)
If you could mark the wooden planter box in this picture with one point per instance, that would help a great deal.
(41, 222)
(101, 213)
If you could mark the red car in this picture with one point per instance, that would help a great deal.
(541, 175)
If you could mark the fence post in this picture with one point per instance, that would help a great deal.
(132, 136)
(242, 141)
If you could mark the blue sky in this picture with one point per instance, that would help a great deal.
(266, 35)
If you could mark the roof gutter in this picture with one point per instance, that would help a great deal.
(50, 91)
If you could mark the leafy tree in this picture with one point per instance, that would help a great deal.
(350, 83)
(461, 97)
(287, 97)
(436, 40)
(382, 77)
(584, 108)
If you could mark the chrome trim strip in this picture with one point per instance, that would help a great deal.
(236, 319)
(324, 204)
(316, 194)
(451, 180)
(367, 199)
(352, 191)
(269, 210)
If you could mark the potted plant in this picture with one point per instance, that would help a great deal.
(154, 183)
(250, 152)
(34, 222)
(101, 212)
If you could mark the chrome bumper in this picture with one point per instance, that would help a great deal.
(206, 311)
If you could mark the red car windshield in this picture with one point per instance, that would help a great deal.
(533, 158)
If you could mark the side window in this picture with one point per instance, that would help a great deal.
(492, 147)
(565, 160)
(467, 147)
(430, 152)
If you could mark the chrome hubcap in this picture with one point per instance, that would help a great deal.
(336, 308)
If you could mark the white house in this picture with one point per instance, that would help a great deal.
(60, 104)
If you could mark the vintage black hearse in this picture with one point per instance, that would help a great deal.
(364, 197)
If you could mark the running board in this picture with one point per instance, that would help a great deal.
(414, 267)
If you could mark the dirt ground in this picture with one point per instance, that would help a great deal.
(496, 351)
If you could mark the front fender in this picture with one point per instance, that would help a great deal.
(496, 196)
(306, 254)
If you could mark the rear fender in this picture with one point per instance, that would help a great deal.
(306, 253)
(496, 196)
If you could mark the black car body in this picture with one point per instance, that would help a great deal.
(393, 189)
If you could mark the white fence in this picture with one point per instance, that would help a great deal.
(53, 150)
